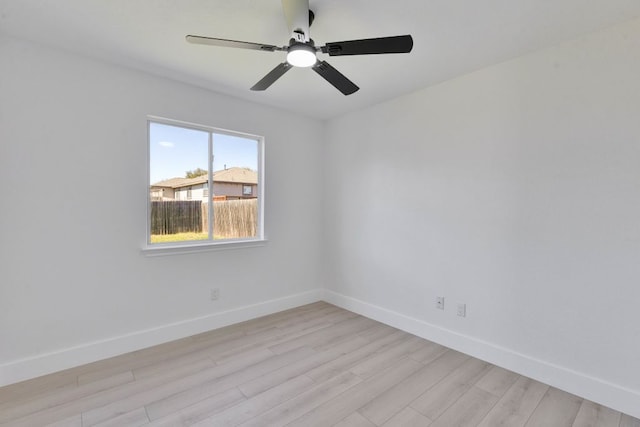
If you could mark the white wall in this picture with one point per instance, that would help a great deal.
(73, 133)
(516, 190)
(513, 189)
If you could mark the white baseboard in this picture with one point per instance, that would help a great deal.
(32, 367)
(605, 393)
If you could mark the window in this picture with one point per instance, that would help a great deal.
(206, 171)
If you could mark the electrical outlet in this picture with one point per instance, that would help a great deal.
(215, 294)
(462, 310)
(440, 303)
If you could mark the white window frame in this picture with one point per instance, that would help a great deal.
(156, 249)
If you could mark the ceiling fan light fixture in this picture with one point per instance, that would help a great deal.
(301, 55)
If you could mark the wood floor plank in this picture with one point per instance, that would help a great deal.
(557, 408)
(140, 393)
(199, 352)
(245, 358)
(179, 366)
(433, 402)
(273, 335)
(56, 397)
(349, 360)
(468, 410)
(343, 405)
(263, 341)
(288, 317)
(516, 405)
(306, 402)
(408, 417)
(355, 420)
(157, 354)
(387, 357)
(342, 346)
(258, 404)
(392, 400)
(352, 341)
(120, 400)
(201, 410)
(299, 367)
(329, 314)
(324, 335)
(161, 402)
(32, 389)
(212, 337)
(594, 415)
(430, 352)
(376, 332)
(74, 421)
(301, 313)
(497, 381)
(135, 418)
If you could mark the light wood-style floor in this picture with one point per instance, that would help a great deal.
(316, 365)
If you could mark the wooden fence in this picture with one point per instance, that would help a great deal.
(179, 216)
(232, 218)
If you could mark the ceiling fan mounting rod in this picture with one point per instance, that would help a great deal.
(299, 34)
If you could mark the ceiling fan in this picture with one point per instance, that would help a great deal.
(302, 51)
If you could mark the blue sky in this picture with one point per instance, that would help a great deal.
(174, 151)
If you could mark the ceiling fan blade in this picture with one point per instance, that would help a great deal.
(273, 75)
(335, 77)
(395, 44)
(297, 14)
(232, 43)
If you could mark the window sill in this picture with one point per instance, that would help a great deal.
(160, 249)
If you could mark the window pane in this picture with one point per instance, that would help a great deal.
(178, 175)
(184, 205)
(235, 187)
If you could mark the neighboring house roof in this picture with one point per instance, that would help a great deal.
(234, 175)
(239, 175)
(180, 182)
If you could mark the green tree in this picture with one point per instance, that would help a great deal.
(195, 173)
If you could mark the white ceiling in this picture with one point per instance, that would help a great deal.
(451, 38)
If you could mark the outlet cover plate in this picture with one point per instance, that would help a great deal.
(462, 310)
